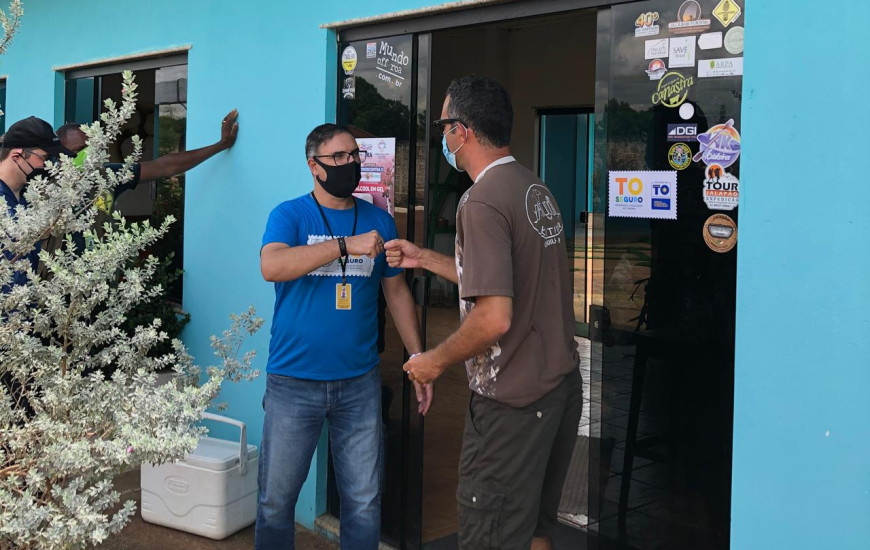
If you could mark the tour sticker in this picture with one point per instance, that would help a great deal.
(643, 194)
(656, 69)
(673, 89)
(680, 156)
(689, 20)
(646, 24)
(348, 60)
(727, 11)
(721, 189)
(720, 233)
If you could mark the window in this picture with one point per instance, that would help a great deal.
(160, 120)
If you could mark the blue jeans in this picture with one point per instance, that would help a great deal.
(295, 412)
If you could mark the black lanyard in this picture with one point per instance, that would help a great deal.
(342, 260)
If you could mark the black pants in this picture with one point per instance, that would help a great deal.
(513, 466)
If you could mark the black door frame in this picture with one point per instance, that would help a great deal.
(420, 26)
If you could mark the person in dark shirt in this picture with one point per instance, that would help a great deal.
(26, 147)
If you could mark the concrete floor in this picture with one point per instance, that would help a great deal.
(139, 535)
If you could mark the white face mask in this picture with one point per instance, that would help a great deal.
(448, 154)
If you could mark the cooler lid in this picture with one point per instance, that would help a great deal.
(217, 454)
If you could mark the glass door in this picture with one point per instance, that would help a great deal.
(382, 95)
(564, 164)
(668, 106)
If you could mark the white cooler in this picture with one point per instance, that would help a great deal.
(211, 493)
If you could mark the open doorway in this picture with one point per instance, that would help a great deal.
(547, 65)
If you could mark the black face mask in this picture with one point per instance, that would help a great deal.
(340, 180)
(33, 171)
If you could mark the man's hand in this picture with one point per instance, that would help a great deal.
(424, 397)
(422, 368)
(403, 254)
(368, 244)
(229, 129)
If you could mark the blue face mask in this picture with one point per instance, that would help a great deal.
(450, 156)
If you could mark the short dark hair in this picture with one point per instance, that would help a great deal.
(64, 131)
(321, 135)
(485, 106)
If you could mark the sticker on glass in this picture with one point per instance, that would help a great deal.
(646, 24)
(656, 69)
(689, 19)
(673, 89)
(680, 156)
(682, 52)
(371, 50)
(721, 189)
(720, 233)
(720, 145)
(683, 132)
(348, 60)
(348, 90)
(729, 66)
(727, 11)
(643, 194)
(656, 48)
(710, 41)
(734, 41)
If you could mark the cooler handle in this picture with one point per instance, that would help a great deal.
(243, 451)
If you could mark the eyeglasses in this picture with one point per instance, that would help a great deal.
(442, 123)
(343, 157)
(43, 157)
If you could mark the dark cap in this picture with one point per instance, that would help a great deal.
(33, 132)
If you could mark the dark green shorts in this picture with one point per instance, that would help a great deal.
(513, 465)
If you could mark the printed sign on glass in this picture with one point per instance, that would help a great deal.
(378, 172)
(643, 194)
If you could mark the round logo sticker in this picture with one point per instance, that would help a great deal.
(680, 156)
(720, 233)
(673, 89)
(348, 60)
(543, 214)
(734, 41)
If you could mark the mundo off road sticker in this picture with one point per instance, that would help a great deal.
(643, 194)
(720, 233)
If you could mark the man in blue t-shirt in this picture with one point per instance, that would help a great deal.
(325, 253)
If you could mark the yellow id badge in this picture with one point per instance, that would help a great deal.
(342, 296)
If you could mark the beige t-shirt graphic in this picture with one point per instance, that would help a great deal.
(510, 241)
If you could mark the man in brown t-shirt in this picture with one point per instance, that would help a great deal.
(517, 330)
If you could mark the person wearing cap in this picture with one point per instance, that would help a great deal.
(26, 147)
(172, 164)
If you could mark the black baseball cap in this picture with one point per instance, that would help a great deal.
(33, 132)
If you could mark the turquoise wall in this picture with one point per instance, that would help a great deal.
(802, 405)
(266, 58)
